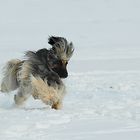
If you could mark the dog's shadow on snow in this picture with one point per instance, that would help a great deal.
(7, 103)
(34, 108)
(15, 107)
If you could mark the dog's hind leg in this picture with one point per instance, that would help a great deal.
(25, 88)
(21, 97)
(23, 93)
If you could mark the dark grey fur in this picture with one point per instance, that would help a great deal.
(43, 61)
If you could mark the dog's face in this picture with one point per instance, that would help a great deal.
(59, 55)
(57, 65)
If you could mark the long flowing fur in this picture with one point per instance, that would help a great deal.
(9, 82)
(49, 95)
(40, 74)
(63, 49)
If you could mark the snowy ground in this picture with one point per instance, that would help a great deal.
(103, 88)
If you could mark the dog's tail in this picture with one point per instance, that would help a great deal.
(9, 81)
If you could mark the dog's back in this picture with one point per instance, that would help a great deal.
(9, 81)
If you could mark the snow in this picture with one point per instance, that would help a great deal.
(103, 88)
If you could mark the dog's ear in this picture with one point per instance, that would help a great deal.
(61, 47)
(53, 40)
(42, 53)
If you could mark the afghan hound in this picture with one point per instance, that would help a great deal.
(40, 74)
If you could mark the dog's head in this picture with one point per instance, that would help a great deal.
(59, 55)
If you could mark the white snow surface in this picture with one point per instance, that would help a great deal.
(103, 87)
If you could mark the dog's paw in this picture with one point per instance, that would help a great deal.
(35, 96)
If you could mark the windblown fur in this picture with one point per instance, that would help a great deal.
(40, 74)
(62, 47)
(9, 81)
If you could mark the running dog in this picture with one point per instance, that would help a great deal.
(40, 74)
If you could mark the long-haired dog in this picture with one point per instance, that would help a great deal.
(40, 74)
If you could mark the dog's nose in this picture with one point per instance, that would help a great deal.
(64, 74)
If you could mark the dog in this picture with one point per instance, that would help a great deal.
(40, 74)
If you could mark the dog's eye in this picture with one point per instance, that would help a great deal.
(64, 62)
(56, 63)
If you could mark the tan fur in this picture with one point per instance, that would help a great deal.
(9, 81)
(24, 73)
(64, 62)
(62, 52)
(49, 95)
(19, 100)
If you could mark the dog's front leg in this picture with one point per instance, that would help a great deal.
(57, 105)
(52, 100)
(35, 95)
